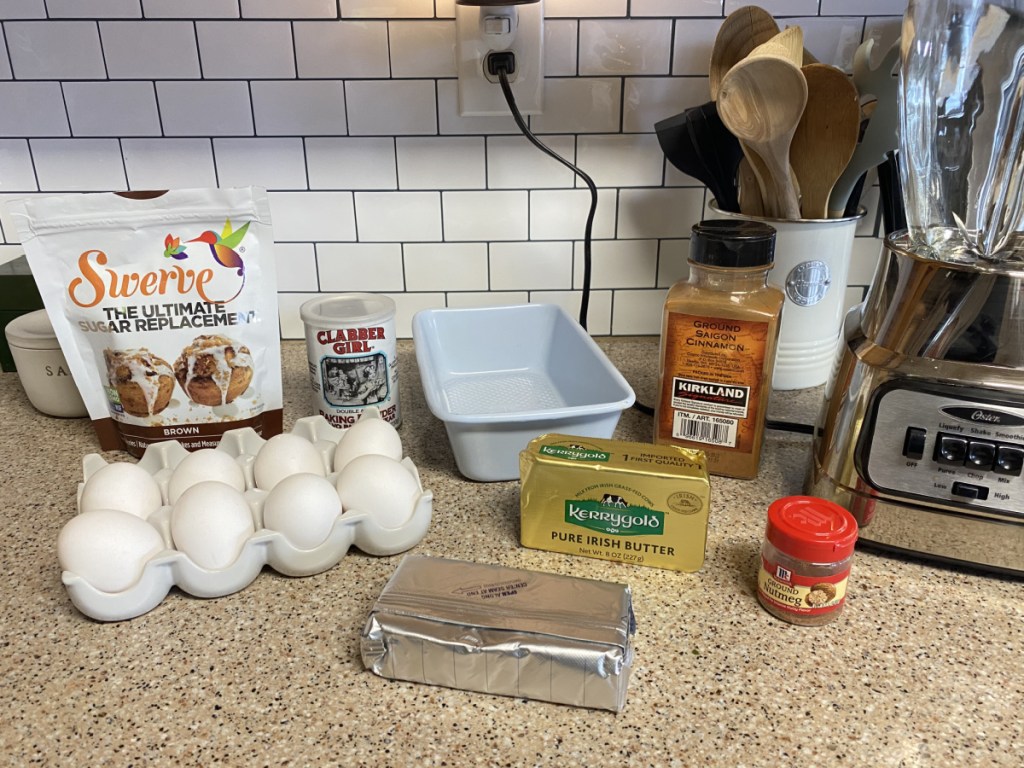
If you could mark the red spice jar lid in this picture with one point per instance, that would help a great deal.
(811, 529)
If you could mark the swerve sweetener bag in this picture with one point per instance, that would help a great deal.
(165, 305)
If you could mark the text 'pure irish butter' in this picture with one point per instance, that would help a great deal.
(630, 502)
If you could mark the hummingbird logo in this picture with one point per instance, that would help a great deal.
(223, 247)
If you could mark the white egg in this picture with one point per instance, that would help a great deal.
(123, 486)
(205, 464)
(303, 508)
(368, 435)
(379, 486)
(108, 548)
(211, 523)
(284, 455)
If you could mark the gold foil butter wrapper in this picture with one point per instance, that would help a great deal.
(635, 503)
(505, 631)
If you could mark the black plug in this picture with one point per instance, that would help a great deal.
(501, 61)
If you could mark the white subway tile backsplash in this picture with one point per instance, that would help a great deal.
(446, 266)
(637, 313)
(619, 264)
(347, 111)
(391, 107)
(450, 122)
(866, 7)
(112, 109)
(488, 298)
(560, 47)
(672, 266)
(408, 304)
(296, 267)
(270, 163)
(514, 163)
(288, 305)
(298, 107)
(373, 267)
(534, 265)
(55, 50)
(580, 105)
(488, 216)
(342, 48)
(351, 163)
(440, 161)
(659, 212)
(625, 47)
(646, 100)
(778, 8)
(622, 160)
(168, 163)
(676, 8)
(5, 59)
(562, 214)
(599, 310)
(40, 110)
(22, 9)
(399, 216)
(78, 165)
(16, 172)
(585, 8)
(422, 48)
(313, 216)
(691, 46)
(246, 49)
(190, 9)
(150, 50)
(832, 39)
(293, 9)
(389, 9)
(95, 9)
(206, 108)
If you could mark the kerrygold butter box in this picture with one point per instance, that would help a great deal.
(632, 502)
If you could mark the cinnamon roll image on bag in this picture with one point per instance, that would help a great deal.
(214, 370)
(134, 280)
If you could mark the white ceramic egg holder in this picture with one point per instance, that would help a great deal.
(171, 567)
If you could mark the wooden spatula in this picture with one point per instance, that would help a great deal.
(825, 137)
(742, 31)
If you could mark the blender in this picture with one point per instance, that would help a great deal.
(921, 432)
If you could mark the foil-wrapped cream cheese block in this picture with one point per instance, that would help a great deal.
(630, 502)
(504, 631)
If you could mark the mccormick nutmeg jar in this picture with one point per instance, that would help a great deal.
(805, 560)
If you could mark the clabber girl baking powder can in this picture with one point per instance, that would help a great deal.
(352, 354)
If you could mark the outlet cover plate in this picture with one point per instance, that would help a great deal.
(480, 96)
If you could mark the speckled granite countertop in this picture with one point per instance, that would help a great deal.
(925, 667)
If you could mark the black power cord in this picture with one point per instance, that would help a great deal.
(502, 64)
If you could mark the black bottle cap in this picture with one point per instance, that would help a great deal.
(732, 243)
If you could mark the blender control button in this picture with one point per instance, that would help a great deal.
(970, 491)
(980, 454)
(913, 443)
(1009, 460)
(951, 449)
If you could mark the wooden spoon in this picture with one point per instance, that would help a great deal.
(761, 101)
(788, 44)
(825, 137)
(742, 31)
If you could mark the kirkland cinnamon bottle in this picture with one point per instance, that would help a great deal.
(719, 333)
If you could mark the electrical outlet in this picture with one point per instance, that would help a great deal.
(481, 30)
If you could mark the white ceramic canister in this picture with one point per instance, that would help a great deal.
(812, 261)
(43, 371)
(353, 360)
